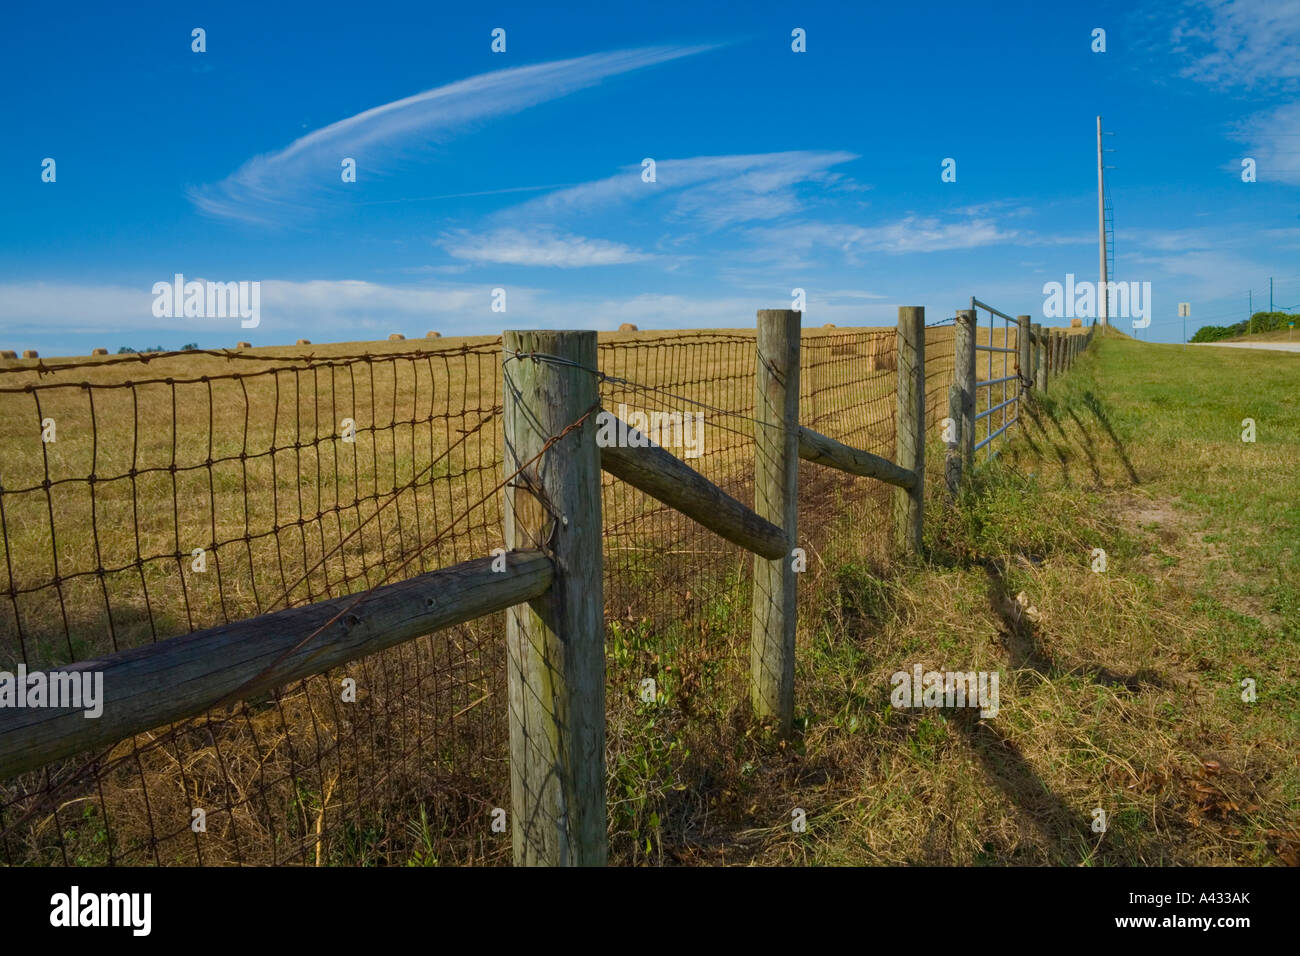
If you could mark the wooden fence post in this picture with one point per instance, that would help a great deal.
(909, 505)
(1024, 354)
(952, 442)
(776, 491)
(555, 644)
(963, 365)
(1053, 359)
(1040, 359)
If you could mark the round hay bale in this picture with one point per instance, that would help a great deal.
(304, 341)
(8, 354)
(243, 345)
(396, 337)
(99, 351)
(433, 335)
(1076, 323)
(30, 353)
(627, 327)
(829, 325)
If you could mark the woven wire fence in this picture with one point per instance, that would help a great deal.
(187, 491)
(183, 494)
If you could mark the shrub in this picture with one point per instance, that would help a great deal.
(1259, 322)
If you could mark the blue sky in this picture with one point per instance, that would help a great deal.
(522, 170)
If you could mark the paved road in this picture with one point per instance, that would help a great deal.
(1269, 346)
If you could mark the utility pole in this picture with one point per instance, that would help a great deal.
(1101, 228)
(1270, 295)
(1250, 312)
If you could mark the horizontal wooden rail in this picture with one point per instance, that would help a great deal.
(665, 478)
(816, 447)
(181, 677)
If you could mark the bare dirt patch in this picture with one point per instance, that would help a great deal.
(1178, 553)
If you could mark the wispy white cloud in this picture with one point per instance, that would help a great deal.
(33, 314)
(711, 191)
(1199, 264)
(1272, 139)
(532, 248)
(283, 182)
(329, 305)
(704, 193)
(75, 307)
(911, 234)
(1244, 43)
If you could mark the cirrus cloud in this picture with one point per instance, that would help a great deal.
(532, 248)
(283, 183)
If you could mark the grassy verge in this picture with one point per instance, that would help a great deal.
(1121, 690)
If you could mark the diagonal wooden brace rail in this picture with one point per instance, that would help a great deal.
(667, 479)
(152, 686)
(817, 448)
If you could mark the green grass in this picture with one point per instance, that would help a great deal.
(1125, 694)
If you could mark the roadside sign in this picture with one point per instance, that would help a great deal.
(1184, 309)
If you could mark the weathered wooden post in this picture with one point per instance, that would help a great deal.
(952, 441)
(1040, 359)
(555, 644)
(776, 491)
(963, 372)
(1024, 353)
(909, 505)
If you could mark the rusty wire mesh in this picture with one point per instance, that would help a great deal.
(249, 465)
(245, 458)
